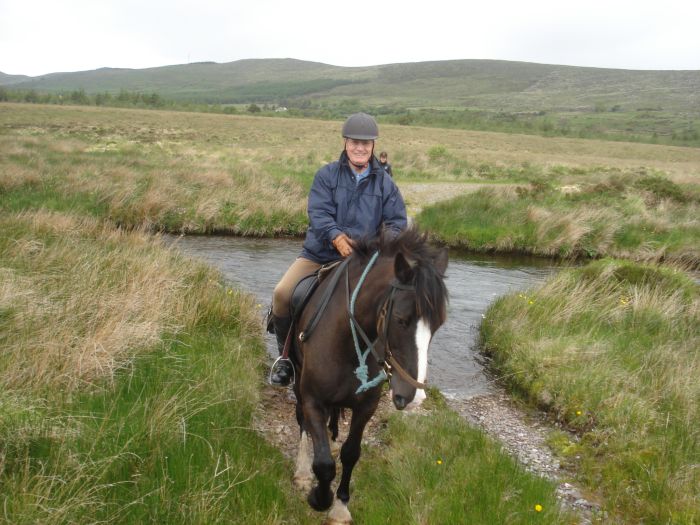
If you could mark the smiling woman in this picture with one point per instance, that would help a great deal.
(350, 199)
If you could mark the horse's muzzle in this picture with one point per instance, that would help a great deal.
(401, 402)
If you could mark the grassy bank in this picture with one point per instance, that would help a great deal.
(129, 375)
(612, 351)
(643, 216)
(129, 380)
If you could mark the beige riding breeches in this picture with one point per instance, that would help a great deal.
(282, 295)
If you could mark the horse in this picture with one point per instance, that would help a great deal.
(390, 293)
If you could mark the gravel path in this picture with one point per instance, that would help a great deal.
(523, 436)
(420, 194)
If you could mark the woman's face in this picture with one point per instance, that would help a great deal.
(359, 151)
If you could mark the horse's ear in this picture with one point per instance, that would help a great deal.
(403, 269)
(441, 261)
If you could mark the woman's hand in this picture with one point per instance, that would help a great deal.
(343, 244)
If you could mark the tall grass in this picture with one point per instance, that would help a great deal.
(612, 350)
(640, 217)
(129, 382)
(129, 378)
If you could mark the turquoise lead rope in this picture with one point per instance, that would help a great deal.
(362, 372)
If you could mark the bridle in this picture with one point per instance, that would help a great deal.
(380, 347)
(383, 335)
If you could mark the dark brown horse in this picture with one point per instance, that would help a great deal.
(395, 294)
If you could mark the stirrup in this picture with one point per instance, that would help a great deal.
(272, 368)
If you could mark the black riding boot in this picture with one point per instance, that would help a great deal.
(282, 369)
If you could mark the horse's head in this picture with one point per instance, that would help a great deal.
(414, 308)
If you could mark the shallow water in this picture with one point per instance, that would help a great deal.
(473, 282)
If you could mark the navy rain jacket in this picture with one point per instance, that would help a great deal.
(338, 205)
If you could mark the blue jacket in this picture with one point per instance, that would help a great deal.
(338, 205)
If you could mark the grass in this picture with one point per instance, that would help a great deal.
(639, 216)
(487, 95)
(436, 469)
(201, 173)
(611, 350)
(118, 355)
(130, 378)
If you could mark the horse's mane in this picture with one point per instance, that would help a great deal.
(431, 292)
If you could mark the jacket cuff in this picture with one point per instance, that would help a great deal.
(332, 234)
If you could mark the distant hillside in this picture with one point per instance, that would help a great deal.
(456, 84)
(7, 80)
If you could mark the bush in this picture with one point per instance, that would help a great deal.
(437, 152)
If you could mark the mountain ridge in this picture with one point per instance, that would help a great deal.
(470, 83)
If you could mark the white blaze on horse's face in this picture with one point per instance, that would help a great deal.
(423, 336)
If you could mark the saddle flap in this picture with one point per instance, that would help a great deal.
(303, 291)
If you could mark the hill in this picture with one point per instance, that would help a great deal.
(643, 106)
(476, 84)
(8, 80)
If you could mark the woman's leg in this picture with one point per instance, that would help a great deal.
(282, 369)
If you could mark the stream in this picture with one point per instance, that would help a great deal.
(473, 281)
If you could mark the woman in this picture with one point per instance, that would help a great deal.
(350, 198)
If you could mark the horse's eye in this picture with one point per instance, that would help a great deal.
(403, 321)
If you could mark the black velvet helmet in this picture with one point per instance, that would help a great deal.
(360, 126)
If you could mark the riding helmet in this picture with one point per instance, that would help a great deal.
(360, 126)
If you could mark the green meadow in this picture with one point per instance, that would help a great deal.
(130, 375)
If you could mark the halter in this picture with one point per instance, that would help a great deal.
(383, 353)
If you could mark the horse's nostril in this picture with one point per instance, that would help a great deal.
(399, 402)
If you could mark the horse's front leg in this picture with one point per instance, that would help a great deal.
(349, 455)
(303, 476)
(315, 418)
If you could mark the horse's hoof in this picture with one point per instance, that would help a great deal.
(320, 503)
(304, 483)
(339, 514)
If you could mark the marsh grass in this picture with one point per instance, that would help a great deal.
(612, 351)
(644, 218)
(120, 356)
(129, 378)
(199, 173)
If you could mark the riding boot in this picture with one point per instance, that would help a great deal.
(282, 369)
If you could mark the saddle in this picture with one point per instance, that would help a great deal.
(302, 293)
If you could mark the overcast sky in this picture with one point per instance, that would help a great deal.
(42, 36)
